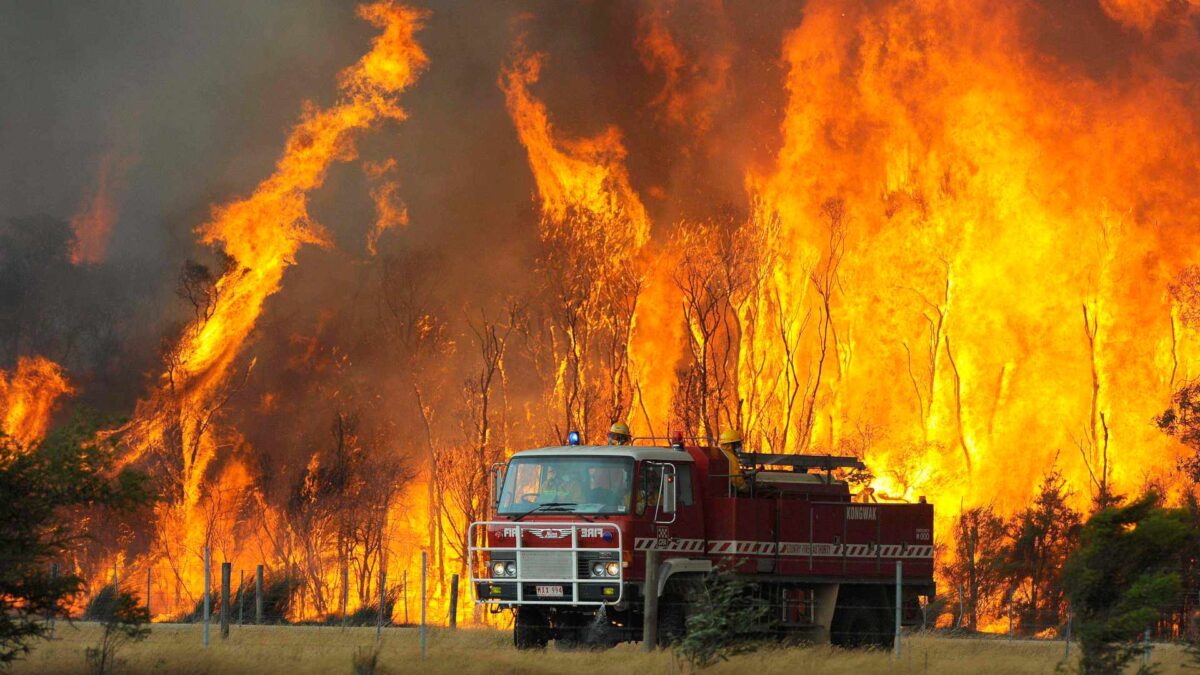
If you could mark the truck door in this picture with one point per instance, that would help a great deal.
(678, 535)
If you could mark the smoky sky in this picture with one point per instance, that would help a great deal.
(190, 103)
(193, 102)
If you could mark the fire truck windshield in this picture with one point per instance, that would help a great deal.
(580, 484)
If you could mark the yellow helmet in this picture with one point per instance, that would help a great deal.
(730, 436)
(620, 428)
(618, 434)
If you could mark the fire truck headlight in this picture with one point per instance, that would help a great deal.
(597, 569)
(510, 569)
(498, 569)
(613, 569)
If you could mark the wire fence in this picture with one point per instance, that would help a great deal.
(257, 596)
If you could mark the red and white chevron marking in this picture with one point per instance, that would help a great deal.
(672, 545)
(785, 548)
(805, 549)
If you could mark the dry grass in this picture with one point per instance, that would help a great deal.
(293, 650)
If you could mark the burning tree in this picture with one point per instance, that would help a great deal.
(1040, 539)
(720, 277)
(581, 342)
(463, 470)
(977, 572)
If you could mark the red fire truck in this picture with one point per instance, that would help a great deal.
(567, 548)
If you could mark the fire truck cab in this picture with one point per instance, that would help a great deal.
(567, 547)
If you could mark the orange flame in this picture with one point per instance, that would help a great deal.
(93, 222)
(28, 397)
(390, 211)
(693, 80)
(587, 174)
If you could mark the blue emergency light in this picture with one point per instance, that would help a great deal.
(573, 438)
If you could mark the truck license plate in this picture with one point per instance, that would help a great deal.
(550, 591)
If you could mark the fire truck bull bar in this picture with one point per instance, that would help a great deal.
(526, 557)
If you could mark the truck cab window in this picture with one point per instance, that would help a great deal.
(649, 487)
(683, 476)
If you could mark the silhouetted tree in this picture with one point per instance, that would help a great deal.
(1040, 539)
(977, 571)
(1122, 576)
(40, 487)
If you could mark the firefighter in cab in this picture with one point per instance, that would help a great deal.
(730, 445)
(619, 434)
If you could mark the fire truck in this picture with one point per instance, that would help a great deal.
(574, 525)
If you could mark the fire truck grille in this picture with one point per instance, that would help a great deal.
(545, 565)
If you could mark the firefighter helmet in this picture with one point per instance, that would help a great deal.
(730, 436)
(619, 434)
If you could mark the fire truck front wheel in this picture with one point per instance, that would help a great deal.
(672, 620)
(531, 629)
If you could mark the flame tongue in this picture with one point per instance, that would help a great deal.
(261, 235)
(28, 397)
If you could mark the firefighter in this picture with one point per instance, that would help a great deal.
(730, 445)
(562, 487)
(619, 434)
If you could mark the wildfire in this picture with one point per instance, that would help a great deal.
(28, 397)
(261, 235)
(972, 215)
(959, 260)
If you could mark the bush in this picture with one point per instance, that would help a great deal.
(123, 619)
(728, 620)
(278, 591)
(366, 660)
(368, 615)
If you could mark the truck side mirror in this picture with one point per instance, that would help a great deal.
(668, 493)
(497, 471)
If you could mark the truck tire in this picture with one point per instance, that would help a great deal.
(672, 620)
(530, 630)
(861, 620)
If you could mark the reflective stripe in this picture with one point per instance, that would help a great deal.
(829, 550)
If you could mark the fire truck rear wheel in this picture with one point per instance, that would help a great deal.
(530, 630)
(862, 619)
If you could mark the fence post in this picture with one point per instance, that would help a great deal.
(345, 592)
(1146, 646)
(454, 601)
(424, 563)
(1067, 649)
(962, 609)
(50, 612)
(382, 593)
(258, 599)
(242, 598)
(1010, 616)
(226, 573)
(207, 592)
(148, 591)
(899, 602)
(405, 577)
(650, 603)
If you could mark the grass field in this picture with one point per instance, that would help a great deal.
(293, 650)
